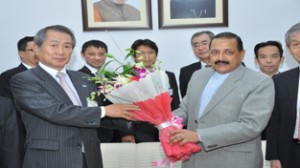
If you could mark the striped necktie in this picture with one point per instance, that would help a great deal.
(63, 83)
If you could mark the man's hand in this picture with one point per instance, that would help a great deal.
(128, 138)
(275, 164)
(183, 136)
(120, 110)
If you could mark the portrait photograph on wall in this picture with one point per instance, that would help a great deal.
(116, 14)
(192, 13)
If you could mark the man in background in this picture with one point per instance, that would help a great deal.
(269, 57)
(114, 11)
(9, 135)
(146, 51)
(200, 44)
(93, 52)
(283, 131)
(29, 60)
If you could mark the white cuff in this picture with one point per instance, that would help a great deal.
(102, 111)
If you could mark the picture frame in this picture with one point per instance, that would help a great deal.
(137, 15)
(192, 13)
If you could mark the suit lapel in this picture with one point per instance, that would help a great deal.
(200, 87)
(227, 87)
(87, 71)
(22, 68)
(80, 86)
(51, 85)
(292, 86)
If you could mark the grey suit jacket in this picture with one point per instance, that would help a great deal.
(55, 127)
(230, 126)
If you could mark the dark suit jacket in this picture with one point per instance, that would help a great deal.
(145, 132)
(185, 76)
(104, 134)
(9, 135)
(282, 123)
(56, 128)
(5, 77)
(5, 91)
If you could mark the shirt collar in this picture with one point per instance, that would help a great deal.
(51, 71)
(27, 66)
(92, 69)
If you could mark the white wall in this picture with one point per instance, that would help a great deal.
(255, 21)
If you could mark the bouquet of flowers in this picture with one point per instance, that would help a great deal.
(149, 89)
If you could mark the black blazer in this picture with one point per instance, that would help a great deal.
(9, 136)
(5, 91)
(104, 134)
(5, 77)
(145, 132)
(185, 76)
(282, 123)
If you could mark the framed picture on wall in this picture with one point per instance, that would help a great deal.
(192, 13)
(116, 14)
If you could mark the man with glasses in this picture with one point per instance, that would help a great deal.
(200, 44)
(29, 60)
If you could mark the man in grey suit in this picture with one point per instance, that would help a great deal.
(61, 128)
(226, 108)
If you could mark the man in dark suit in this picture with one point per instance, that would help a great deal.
(283, 136)
(60, 122)
(200, 43)
(147, 53)
(9, 135)
(93, 52)
(29, 60)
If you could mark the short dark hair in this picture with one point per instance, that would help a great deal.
(229, 35)
(209, 33)
(94, 43)
(145, 42)
(22, 43)
(268, 43)
(40, 36)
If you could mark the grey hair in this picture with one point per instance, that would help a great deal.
(292, 30)
(209, 33)
(40, 36)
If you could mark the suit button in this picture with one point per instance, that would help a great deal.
(196, 121)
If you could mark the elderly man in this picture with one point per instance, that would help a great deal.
(61, 128)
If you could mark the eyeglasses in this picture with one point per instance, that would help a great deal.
(29, 50)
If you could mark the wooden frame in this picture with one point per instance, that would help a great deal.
(192, 13)
(90, 23)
